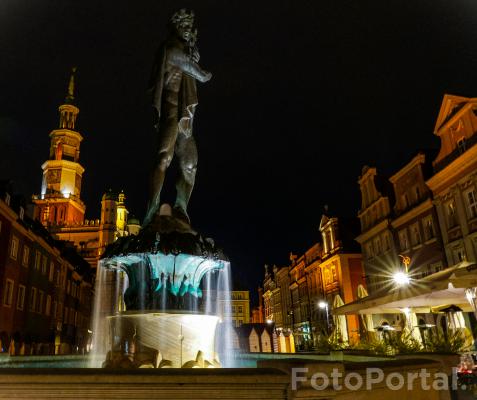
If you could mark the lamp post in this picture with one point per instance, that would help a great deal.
(324, 306)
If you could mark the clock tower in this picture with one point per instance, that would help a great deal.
(59, 203)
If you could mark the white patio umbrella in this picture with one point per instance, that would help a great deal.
(341, 327)
(366, 319)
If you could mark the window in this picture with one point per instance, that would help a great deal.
(68, 287)
(405, 201)
(37, 259)
(369, 250)
(26, 256)
(387, 241)
(22, 213)
(471, 203)
(14, 248)
(417, 191)
(8, 293)
(461, 145)
(459, 255)
(415, 234)
(21, 297)
(32, 299)
(52, 272)
(48, 305)
(451, 214)
(39, 306)
(428, 227)
(403, 240)
(377, 246)
(43, 265)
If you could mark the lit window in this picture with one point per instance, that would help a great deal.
(14, 248)
(21, 297)
(26, 256)
(451, 214)
(37, 259)
(403, 240)
(8, 293)
(415, 234)
(32, 299)
(471, 203)
(428, 225)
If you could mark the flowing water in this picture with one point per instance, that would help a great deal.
(131, 292)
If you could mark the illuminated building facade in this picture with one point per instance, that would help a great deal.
(454, 184)
(330, 271)
(430, 214)
(45, 287)
(59, 206)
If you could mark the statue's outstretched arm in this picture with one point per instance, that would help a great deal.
(177, 58)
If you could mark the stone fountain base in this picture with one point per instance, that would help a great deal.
(162, 340)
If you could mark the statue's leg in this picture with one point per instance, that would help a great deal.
(186, 151)
(167, 139)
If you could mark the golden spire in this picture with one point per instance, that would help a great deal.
(71, 87)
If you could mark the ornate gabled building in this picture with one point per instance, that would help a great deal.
(454, 183)
(376, 238)
(59, 206)
(415, 223)
(341, 267)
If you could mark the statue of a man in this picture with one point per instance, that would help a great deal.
(174, 91)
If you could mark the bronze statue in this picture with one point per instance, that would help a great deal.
(174, 91)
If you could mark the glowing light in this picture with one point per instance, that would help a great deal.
(323, 304)
(401, 278)
(269, 321)
(66, 194)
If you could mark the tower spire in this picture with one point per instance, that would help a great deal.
(71, 87)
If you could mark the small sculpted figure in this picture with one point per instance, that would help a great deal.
(173, 85)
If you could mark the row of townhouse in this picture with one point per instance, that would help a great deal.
(45, 287)
(421, 220)
(298, 298)
(426, 213)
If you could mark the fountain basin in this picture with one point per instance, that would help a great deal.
(162, 340)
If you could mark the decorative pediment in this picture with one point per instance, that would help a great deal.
(451, 104)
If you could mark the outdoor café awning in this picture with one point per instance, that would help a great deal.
(421, 295)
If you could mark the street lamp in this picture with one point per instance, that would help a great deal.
(324, 306)
(402, 277)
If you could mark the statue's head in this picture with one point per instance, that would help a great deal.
(182, 23)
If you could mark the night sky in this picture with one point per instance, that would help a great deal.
(303, 95)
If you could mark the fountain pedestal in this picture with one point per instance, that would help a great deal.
(162, 340)
(147, 298)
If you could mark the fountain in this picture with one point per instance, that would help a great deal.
(148, 286)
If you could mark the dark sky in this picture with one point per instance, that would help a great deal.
(304, 94)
